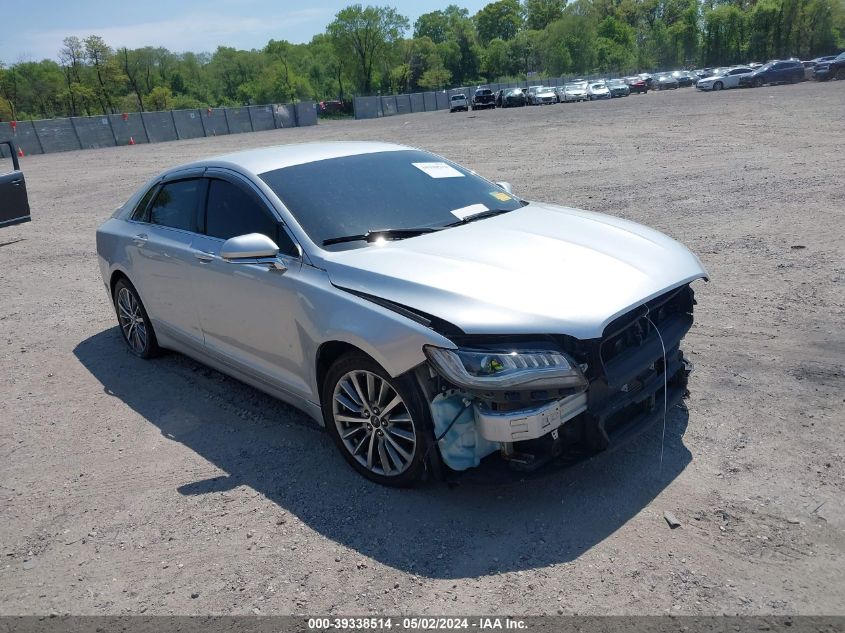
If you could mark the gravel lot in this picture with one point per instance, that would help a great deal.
(164, 487)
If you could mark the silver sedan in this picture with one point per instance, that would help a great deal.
(427, 317)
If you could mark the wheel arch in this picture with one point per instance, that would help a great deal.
(116, 276)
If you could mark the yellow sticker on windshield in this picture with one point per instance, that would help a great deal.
(500, 195)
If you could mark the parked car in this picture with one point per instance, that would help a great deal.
(597, 90)
(637, 84)
(775, 72)
(684, 79)
(510, 98)
(334, 107)
(728, 78)
(649, 80)
(458, 103)
(665, 81)
(364, 283)
(483, 99)
(834, 68)
(575, 91)
(618, 88)
(14, 201)
(541, 95)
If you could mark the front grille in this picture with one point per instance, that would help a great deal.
(630, 368)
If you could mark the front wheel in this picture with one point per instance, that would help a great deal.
(376, 421)
(135, 325)
(717, 86)
(758, 83)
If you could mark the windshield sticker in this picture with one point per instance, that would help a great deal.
(438, 170)
(466, 212)
(501, 195)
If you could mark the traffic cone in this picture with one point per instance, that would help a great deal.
(131, 140)
(20, 152)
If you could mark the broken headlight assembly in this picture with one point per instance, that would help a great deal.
(491, 370)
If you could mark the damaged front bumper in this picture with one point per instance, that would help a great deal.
(635, 371)
(526, 424)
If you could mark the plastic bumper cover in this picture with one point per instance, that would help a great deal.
(527, 424)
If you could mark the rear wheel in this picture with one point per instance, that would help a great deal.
(377, 421)
(135, 325)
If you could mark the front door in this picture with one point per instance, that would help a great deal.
(14, 203)
(248, 312)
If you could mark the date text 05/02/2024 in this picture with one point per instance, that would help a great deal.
(415, 623)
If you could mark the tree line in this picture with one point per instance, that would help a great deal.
(372, 49)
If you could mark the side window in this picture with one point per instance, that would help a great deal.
(231, 211)
(140, 212)
(176, 204)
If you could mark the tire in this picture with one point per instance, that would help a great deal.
(391, 446)
(717, 86)
(758, 83)
(840, 73)
(133, 320)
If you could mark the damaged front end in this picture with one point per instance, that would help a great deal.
(532, 398)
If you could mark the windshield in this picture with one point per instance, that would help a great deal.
(383, 190)
(458, 97)
(597, 86)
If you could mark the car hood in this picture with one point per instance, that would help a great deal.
(539, 269)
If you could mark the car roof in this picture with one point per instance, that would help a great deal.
(260, 160)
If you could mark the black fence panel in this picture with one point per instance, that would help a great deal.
(388, 106)
(285, 115)
(238, 119)
(23, 137)
(262, 118)
(159, 126)
(188, 123)
(306, 113)
(403, 104)
(128, 128)
(94, 131)
(214, 121)
(57, 135)
(430, 101)
(367, 107)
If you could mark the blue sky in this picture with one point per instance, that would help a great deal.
(36, 31)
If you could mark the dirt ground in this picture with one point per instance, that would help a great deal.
(164, 487)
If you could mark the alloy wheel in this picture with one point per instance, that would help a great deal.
(374, 423)
(131, 320)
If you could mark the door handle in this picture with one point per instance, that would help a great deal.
(203, 256)
(140, 239)
(17, 182)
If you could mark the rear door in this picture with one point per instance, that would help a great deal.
(14, 203)
(162, 255)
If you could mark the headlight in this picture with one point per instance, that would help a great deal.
(486, 369)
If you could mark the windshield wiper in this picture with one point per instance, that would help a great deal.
(480, 216)
(373, 234)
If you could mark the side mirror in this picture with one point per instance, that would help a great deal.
(251, 246)
(506, 186)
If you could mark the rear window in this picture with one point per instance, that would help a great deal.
(177, 203)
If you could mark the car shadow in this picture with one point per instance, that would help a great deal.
(438, 531)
